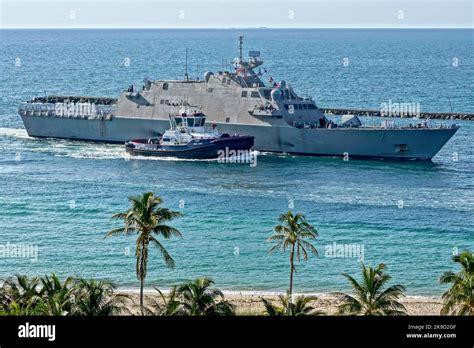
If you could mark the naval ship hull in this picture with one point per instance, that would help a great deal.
(364, 142)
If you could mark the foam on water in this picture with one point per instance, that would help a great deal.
(19, 133)
(90, 150)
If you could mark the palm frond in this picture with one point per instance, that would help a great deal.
(166, 256)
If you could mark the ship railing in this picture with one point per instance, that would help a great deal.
(266, 109)
(332, 125)
(304, 125)
(100, 112)
(37, 109)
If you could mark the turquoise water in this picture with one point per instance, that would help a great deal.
(60, 195)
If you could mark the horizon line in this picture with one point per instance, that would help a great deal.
(229, 28)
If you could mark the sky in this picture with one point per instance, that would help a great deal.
(236, 14)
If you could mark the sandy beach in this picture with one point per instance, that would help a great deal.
(249, 303)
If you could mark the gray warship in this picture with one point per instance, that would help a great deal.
(237, 102)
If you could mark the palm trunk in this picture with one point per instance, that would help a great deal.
(142, 282)
(142, 270)
(290, 293)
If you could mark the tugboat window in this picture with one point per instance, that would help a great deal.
(165, 86)
(255, 95)
(178, 120)
(244, 94)
(402, 147)
(190, 122)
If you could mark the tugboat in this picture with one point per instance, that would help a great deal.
(188, 138)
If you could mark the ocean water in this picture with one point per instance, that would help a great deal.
(59, 195)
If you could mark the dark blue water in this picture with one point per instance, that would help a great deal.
(60, 195)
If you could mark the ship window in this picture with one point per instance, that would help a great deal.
(224, 80)
(210, 90)
(254, 95)
(286, 106)
(227, 119)
(162, 101)
(305, 106)
(178, 120)
(402, 147)
(244, 94)
(165, 86)
(228, 81)
(311, 107)
(190, 122)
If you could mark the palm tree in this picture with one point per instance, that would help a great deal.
(370, 297)
(459, 299)
(196, 298)
(97, 298)
(166, 305)
(291, 233)
(57, 297)
(20, 295)
(146, 219)
(299, 307)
